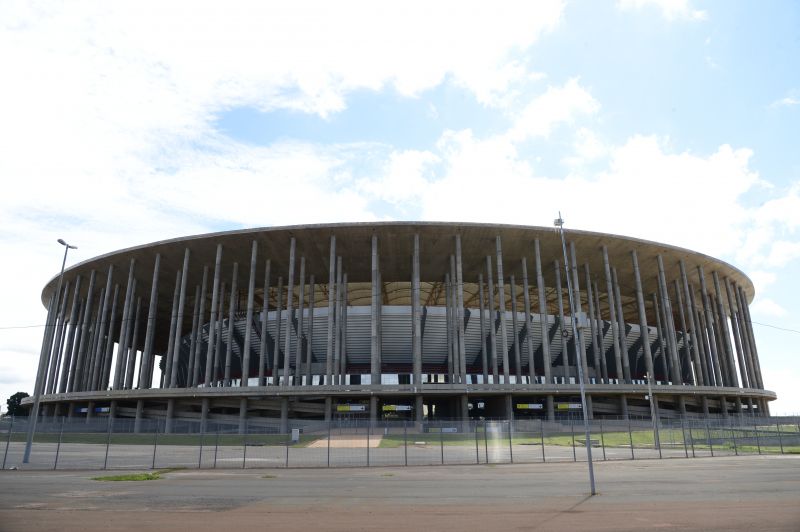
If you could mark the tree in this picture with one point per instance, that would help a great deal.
(14, 403)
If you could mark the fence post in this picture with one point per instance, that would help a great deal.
(733, 437)
(244, 450)
(58, 446)
(758, 440)
(369, 425)
(477, 453)
(155, 445)
(286, 462)
(485, 442)
(691, 440)
(329, 443)
(405, 442)
(200, 458)
(108, 439)
(541, 437)
(216, 448)
(780, 437)
(602, 439)
(683, 437)
(8, 441)
(441, 441)
(630, 437)
(572, 428)
(510, 445)
(708, 436)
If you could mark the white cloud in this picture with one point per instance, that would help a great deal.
(558, 105)
(670, 9)
(787, 101)
(768, 308)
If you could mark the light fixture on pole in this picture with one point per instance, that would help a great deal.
(559, 223)
(44, 358)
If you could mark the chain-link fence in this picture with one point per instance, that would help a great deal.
(119, 443)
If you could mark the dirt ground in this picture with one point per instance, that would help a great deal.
(753, 493)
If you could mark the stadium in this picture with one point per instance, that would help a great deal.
(399, 321)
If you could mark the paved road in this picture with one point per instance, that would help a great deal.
(752, 493)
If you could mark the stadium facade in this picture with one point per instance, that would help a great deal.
(399, 321)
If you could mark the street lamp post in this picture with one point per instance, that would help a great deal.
(559, 222)
(43, 358)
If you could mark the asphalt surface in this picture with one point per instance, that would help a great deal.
(723, 493)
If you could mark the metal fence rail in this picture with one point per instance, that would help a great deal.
(106, 443)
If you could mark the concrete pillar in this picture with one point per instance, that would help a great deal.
(109, 347)
(704, 405)
(648, 357)
(172, 329)
(526, 301)
(623, 406)
(492, 338)
(501, 293)
(137, 422)
(212, 322)
(612, 312)
(232, 308)
(752, 381)
(699, 374)
(80, 355)
(686, 358)
(300, 353)
(147, 357)
(710, 327)
(682, 405)
(416, 327)
(170, 416)
(748, 321)
(580, 343)
(251, 288)
(669, 315)
(276, 351)
(459, 281)
(338, 378)
(564, 346)
(592, 326)
(199, 294)
(343, 351)
(548, 379)
(89, 411)
(737, 339)
(131, 359)
(375, 357)
(551, 408)
(73, 321)
(331, 303)
(287, 351)
(723, 406)
(243, 415)
(205, 403)
(328, 408)
(112, 409)
(173, 380)
(97, 341)
(738, 402)
(509, 406)
(55, 357)
(705, 357)
(74, 357)
(662, 348)
(373, 410)
(589, 407)
(126, 342)
(464, 411)
(104, 326)
(514, 328)
(448, 306)
(601, 348)
(733, 379)
(312, 289)
(285, 415)
(419, 409)
(482, 309)
(262, 346)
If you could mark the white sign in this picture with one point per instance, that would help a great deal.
(529, 406)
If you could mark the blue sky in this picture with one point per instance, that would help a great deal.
(132, 122)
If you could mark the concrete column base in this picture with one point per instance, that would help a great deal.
(723, 407)
(328, 408)
(682, 405)
(738, 401)
(284, 416)
(170, 416)
(704, 404)
(243, 415)
(89, 411)
(623, 406)
(137, 422)
(204, 408)
(589, 407)
(551, 408)
(509, 400)
(112, 409)
(419, 409)
(373, 410)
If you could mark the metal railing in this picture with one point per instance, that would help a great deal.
(106, 443)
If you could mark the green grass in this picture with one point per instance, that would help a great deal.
(130, 477)
(194, 440)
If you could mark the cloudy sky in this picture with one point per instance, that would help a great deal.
(127, 122)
